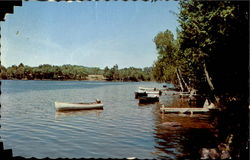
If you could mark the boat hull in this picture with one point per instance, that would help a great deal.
(144, 100)
(140, 93)
(62, 106)
(183, 110)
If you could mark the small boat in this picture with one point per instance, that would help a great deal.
(142, 92)
(183, 110)
(147, 89)
(206, 108)
(151, 90)
(148, 99)
(165, 86)
(62, 106)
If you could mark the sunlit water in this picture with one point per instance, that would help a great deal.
(31, 127)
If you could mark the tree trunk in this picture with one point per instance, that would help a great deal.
(210, 83)
(185, 84)
(208, 78)
(179, 79)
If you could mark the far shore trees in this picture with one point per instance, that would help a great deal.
(74, 72)
(128, 74)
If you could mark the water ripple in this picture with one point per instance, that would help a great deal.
(32, 127)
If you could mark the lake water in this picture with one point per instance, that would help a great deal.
(31, 127)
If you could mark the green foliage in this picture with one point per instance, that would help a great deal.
(44, 71)
(3, 73)
(212, 54)
(74, 72)
(211, 49)
(215, 34)
(128, 74)
(168, 60)
(214, 37)
(108, 74)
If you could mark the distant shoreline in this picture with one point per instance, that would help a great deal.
(74, 72)
(92, 80)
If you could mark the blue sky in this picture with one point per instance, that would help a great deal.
(94, 34)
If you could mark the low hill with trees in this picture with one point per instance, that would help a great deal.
(74, 72)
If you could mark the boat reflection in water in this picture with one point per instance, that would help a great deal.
(149, 104)
(71, 113)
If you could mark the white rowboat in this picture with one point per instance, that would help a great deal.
(77, 106)
(148, 89)
(142, 91)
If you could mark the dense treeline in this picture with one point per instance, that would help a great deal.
(211, 50)
(128, 74)
(73, 72)
(211, 54)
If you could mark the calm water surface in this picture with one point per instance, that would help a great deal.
(31, 127)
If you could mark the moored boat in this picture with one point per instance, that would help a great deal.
(142, 92)
(148, 89)
(62, 106)
(149, 99)
(183, 110)
(208, 106)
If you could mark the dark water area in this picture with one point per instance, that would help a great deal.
(32, 128)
